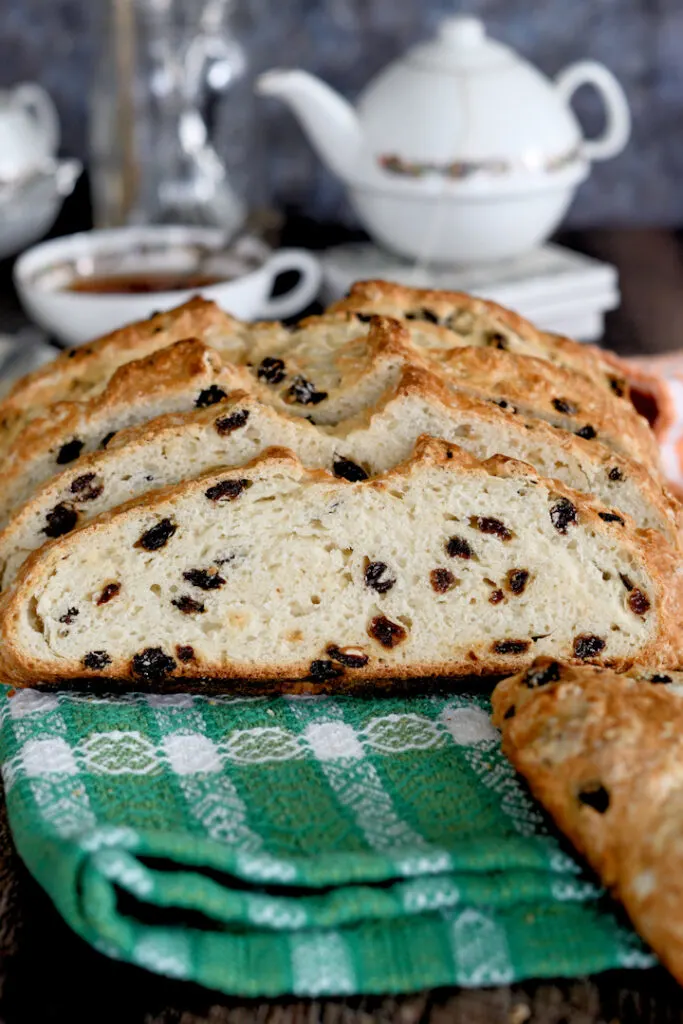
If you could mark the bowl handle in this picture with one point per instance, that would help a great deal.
(304, 291)
(618, 129)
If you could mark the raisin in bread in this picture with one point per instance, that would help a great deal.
(182, 376)
(174, 447)
(271, 571)
(82, 373)
(604, 754)
(442, 319)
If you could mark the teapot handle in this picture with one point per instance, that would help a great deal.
(38, 105)
(618, 129)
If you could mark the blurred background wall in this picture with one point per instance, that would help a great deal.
(347, 41)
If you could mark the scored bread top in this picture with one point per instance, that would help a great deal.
(480, 322)
(82, 373)
(327, 373)
(330, 375)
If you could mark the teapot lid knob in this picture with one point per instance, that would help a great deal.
(461, 30)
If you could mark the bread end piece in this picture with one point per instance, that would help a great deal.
(603, 753)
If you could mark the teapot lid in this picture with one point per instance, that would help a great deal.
(461, 44)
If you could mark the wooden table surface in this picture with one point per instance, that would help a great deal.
(47, 974)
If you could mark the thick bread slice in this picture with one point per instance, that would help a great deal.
(179, 377)
(452, 318)
(82, 373)
(176, 447)
(156, 454)
(555, 394)
(319, 373)
(271, 571)
(423, 404)
(604, 754)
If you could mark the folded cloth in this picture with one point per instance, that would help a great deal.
(314, 846)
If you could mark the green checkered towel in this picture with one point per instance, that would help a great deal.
(315, 846)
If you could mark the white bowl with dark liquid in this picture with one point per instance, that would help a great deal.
(82, 286)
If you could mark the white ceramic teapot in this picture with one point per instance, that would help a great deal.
(29, 131)
(460, 151)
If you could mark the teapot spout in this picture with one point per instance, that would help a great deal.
(327, 118)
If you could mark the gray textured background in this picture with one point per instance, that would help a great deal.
(346, 41)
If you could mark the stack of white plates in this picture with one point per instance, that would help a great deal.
(557, 289)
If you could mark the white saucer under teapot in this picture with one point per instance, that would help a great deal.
(460, 150)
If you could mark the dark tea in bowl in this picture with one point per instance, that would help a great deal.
(144, 283)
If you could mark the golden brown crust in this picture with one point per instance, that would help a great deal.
(400, 300)
(555, 394)
(82, 366)
(648, 549)
(146, 384)
(604, 754)
(80, 373)
(570, 367)
(443, 303)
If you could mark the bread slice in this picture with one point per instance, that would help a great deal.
(156, 454)
(422, 403)
(445, 319)
(82, 373)
(444, 566)
(175, 447)
(604, 754)
(552, 393)
(182, 376)
(325, 371)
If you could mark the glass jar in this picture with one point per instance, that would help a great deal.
(172, 136)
